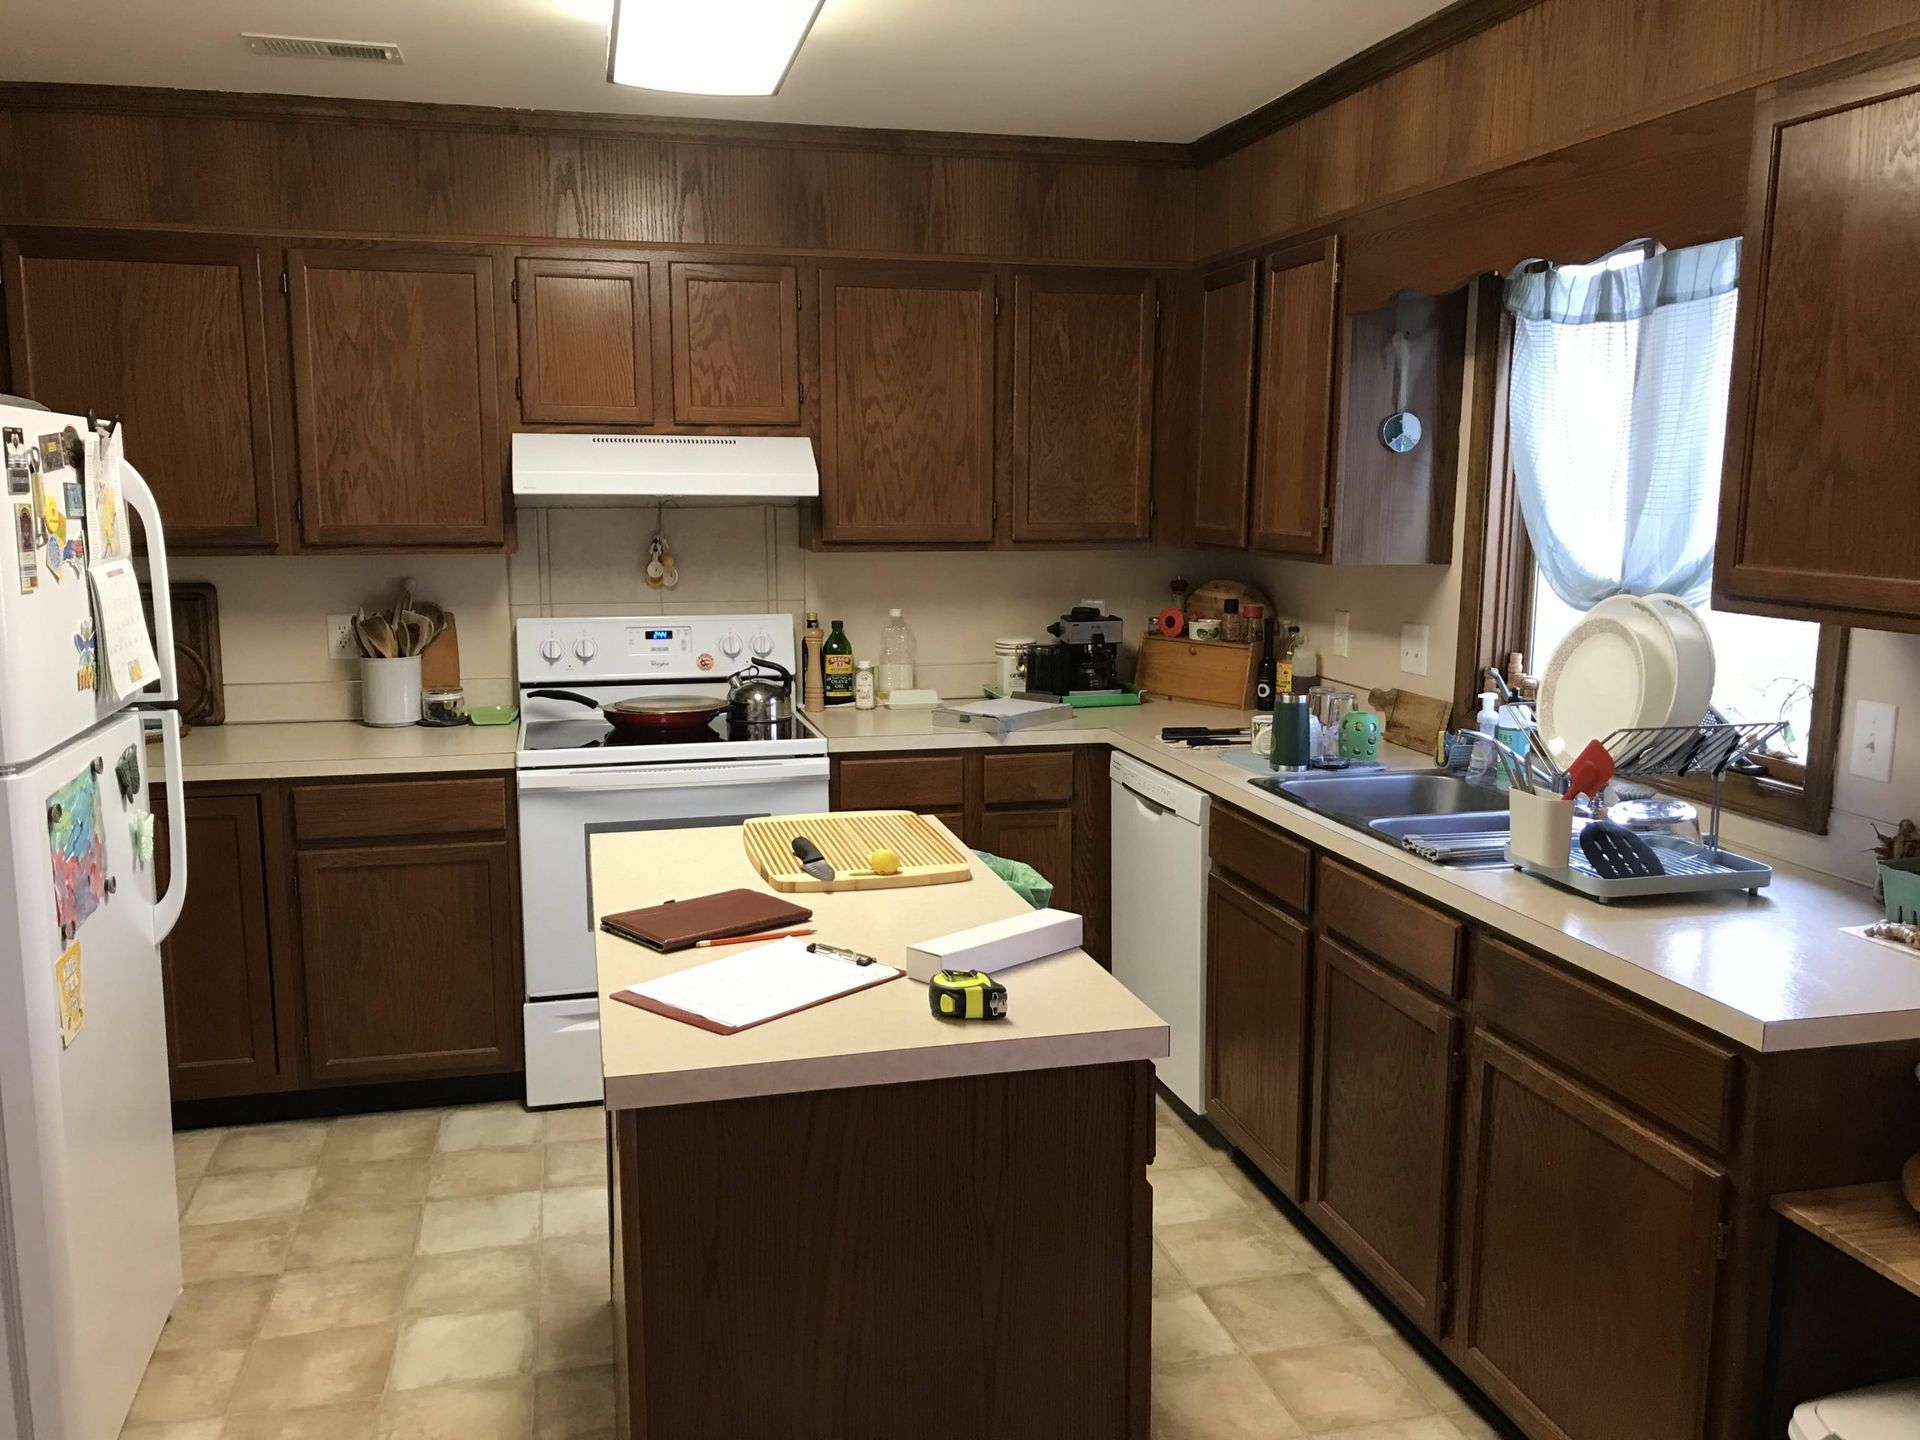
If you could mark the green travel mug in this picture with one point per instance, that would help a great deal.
(1292, 732)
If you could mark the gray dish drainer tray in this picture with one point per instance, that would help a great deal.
(1692, 869)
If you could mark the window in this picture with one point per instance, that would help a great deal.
(1604, 467)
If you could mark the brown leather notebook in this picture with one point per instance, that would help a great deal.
(680, 924)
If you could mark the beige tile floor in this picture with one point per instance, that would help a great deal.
(442, 1275)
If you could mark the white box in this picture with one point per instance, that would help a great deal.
(996, 946)
(1001, 717)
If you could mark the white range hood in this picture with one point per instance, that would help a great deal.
(639, 469)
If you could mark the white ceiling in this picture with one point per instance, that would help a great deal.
(1107, 69)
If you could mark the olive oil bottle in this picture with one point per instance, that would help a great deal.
(836, 658)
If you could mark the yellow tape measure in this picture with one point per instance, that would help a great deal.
(966, 995)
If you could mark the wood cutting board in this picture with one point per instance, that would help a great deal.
(928, 854)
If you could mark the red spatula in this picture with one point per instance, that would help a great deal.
(1590, 771)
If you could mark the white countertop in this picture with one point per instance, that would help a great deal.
(337, 747)
(1770, 971)
(1064, 1010)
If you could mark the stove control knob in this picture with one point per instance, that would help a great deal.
(730, 645)
(551, 651)
(585, 649)
(763, 644)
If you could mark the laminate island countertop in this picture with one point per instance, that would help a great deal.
(1064, 1011)
(290, 749)
(1771, 971)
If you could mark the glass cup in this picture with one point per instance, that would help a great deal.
(1330, 707)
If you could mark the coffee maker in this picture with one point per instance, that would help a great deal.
(1082, 659)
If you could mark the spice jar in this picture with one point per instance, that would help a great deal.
(863, 686)
(1233, 625)
(443, 705)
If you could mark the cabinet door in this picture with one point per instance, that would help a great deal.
(586, 341)
(409, 959)
(1383, 1126)
(1257, 959)
(169, 332)
(1819, 481)
(396, 389)
(217, 965)
(1588, 1250)
(1294, 428)
(1083, 346)
(1040, 838)
(906, 415)
(736, 344)
(1226, 406)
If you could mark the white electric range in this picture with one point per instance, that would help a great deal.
(578, 778)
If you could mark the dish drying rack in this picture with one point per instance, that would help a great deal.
(1664, 752)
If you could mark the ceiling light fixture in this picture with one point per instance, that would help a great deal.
(707, 47)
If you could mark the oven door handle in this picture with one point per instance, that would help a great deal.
(671, 777)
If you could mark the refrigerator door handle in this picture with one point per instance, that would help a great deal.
(139, 497)
(167, 907)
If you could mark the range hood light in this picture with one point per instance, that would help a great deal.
(707, 47)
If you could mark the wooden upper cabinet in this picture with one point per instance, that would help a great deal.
(170, 333)
(1588, 1258)
(396, 388)
(1219, 513)
(736, 344)
(906, 406)
(217, 966)
(1083, 357)
(586, 341)
(1294, 425)
(1818, 489)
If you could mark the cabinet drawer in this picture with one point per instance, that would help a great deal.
(1419, 941)
(1678, 1078)
(1260, 855)
(399, 808)
(1026, 776)
(904, 782)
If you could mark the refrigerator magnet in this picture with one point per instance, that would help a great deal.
(126, 774)
(77, 838)
(71, 991)
(86, 648)
(53, 452)
(19, 476)
(25, 551)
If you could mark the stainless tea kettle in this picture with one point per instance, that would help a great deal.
(760, 694)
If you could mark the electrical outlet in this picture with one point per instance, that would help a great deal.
(341, 644)
(1413, 649)
(1342, 624)
(1873, 726)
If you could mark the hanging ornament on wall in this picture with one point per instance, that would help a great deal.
(661, 571)
(1401, 430)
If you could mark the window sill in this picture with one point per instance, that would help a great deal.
(1758, 798)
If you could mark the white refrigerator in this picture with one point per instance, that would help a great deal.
(89, 1235)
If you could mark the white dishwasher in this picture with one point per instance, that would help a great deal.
(1159, 839)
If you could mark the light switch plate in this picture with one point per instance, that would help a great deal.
(1873, 726)
(1342, 623)
(1413, 649)
(341, 644)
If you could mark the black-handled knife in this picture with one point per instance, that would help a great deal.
(810, 858)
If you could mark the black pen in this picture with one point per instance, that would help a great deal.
(837, 953)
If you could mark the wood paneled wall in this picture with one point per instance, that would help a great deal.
(1553, 75)
(105, 156)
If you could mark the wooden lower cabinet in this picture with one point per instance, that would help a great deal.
(1383, 1126)
(217, 966)
(1041, 838)
(1258, 962)
(408, 955)
(344, 932)
(1588, 1257)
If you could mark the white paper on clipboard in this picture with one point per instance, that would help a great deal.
(121, 625)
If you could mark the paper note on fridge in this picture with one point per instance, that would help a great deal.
(121, 626)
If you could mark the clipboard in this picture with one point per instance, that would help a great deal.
(741, 992)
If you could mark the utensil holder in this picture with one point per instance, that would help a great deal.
(1900, 883)
(390, 691)
(1540, 828)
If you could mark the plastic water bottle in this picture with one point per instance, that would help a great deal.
(896, 657)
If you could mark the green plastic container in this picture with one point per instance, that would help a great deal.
(1900, 881)
(1028, 883)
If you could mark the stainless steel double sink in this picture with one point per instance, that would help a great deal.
(1394, 805)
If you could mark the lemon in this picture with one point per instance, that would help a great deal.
(883, 862)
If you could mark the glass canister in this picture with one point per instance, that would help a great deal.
(1330, 707)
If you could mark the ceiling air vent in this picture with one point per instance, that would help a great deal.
(302, 47)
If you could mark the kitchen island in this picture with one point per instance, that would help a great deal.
(862, 1221)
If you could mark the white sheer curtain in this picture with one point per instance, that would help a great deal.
(1618, 412)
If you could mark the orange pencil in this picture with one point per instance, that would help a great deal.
(750, 939)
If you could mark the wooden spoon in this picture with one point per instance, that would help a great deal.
(378, 637)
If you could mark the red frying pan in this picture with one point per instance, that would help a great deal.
(655, 715)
